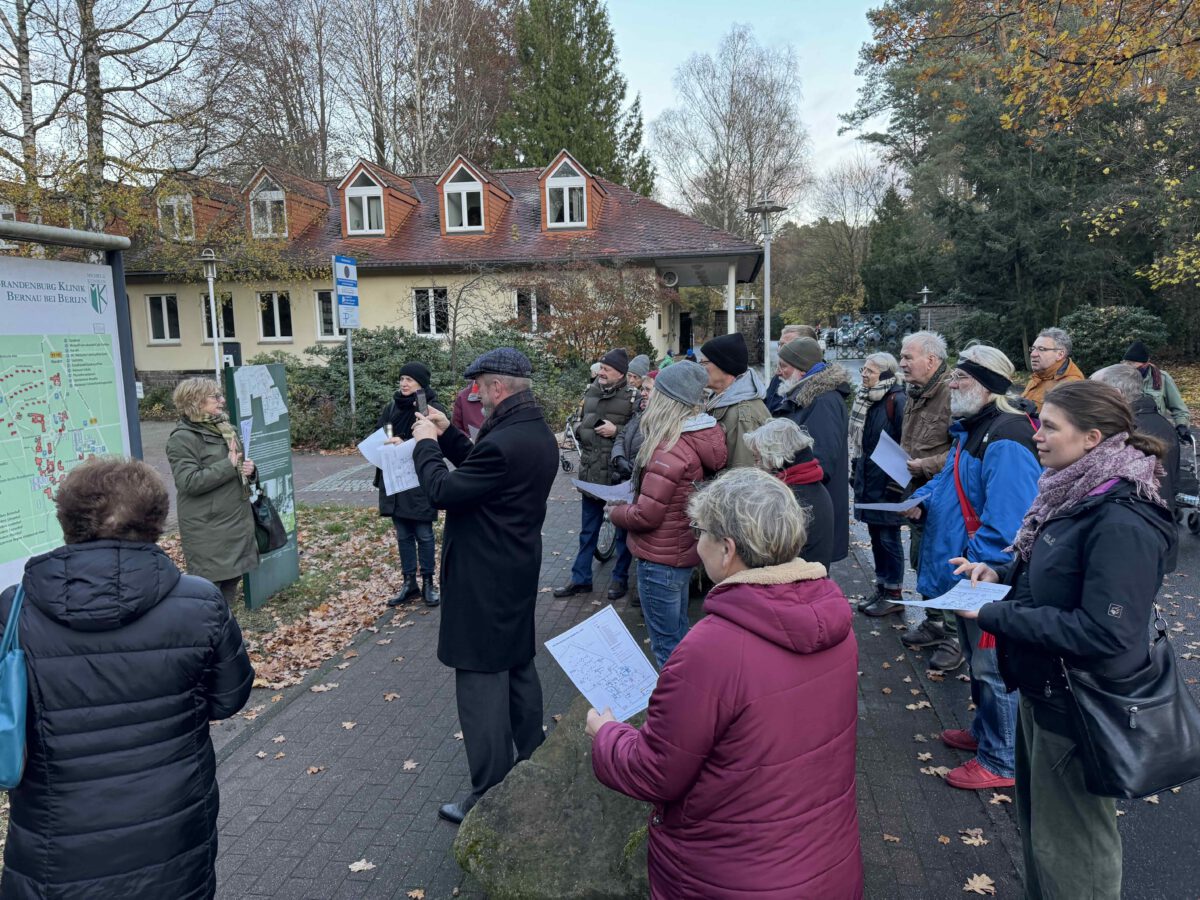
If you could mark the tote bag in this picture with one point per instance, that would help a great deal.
(14, 695)
(269, 532)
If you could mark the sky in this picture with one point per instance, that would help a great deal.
(655, 36)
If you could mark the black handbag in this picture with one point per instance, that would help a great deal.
(269, 532)
(1140, 734)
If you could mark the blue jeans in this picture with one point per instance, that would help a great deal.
(664, 595)
(589, 536)
(889, 555)
(416, 545)
(995, 723)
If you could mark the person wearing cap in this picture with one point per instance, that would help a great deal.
(1050, 365)
(467, 415)
(495, 502)
(681, 446)
(814, 396)
(639, 366)
(972, 510)
(1160, 387)
(736, 394)
(410, 510)
(788, 334)
(607, 406)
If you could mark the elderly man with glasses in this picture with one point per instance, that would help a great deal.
(1051, 365)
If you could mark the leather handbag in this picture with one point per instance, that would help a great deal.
(14, 697)
(1140, 734)
(269, 532)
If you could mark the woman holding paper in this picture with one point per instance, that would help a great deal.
(747, 751)
(410, 511)
(1089, 560)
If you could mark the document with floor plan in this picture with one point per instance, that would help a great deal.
(606, 663)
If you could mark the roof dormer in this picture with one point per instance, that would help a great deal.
(281, 204)
(374, 201)
(471, 199)
(571, 195)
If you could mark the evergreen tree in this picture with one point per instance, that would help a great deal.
(570, 94)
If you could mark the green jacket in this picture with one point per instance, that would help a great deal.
(1167, 397)
(737, 420)
(216, 524)
(612, 404)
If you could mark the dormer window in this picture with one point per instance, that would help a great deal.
(268, 213)
(464, 202)
(175, 218)
(566, 198)
(364, 206)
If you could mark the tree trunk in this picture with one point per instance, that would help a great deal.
(93, 99)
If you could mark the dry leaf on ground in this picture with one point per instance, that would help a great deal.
(963, 676)
(397, 659)
(907, 679)
(350, 654)
(384, 641)
(924, 757)
(891, 839)
(280, 755)
(886, 690)
(973, 837)
(362, 865)
(390, 696)
(920, 738)
(886, 665)
(416, 894)
(997, 799)
(342, 665)
(261, 754)
(920, 704)
(252, 713)
(979, 884)
(1153, 798)
(278, 739)
(277, 698)
(557, 717)
(315, 770)
(322, 688)
(458, 736)
(939, 771)
(410, 765)
(406, 625)
(942, 839)
(348, 725)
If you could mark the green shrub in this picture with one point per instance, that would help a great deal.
(1100, 335)
(987, 328)
(156, 405)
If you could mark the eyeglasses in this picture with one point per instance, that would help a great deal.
(696, 530)
(959, 376)
(1036, 349)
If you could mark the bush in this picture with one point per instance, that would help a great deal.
(1101, 335)
(156, 405)
(987, 328)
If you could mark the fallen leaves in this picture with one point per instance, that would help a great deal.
(383, 642)
(280, 755)
(415, 894)
(261, 754)
(251, 714)
(277, 698)
(315, 770)
(935, 675)
(458, 736)
(1153, 798)
(406, 625)
(390, 696)
(362, 865)
(350, 654)
(349, 725)
(979, 884)
(973, 837)
(891, 838)
(924, 757)
(997, 799)
(938, 771)
(278, 739)
(397, 659)
(886, 690)
(920, 704)
(942, 839)
(410, 765)
(322, 688)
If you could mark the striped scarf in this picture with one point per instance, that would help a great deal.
(863, 401)
(221, 426)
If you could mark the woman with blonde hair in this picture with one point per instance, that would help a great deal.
(212, 487)
(681, 445)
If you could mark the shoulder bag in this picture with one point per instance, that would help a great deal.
(14, 697)
(269, 532)
(1140, 734)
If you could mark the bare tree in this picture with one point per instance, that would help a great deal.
(736, 134)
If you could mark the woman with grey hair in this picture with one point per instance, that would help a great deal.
(784, 449)
(747, 751)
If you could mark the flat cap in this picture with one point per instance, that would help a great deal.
(501, 361)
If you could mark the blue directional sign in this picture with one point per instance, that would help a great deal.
(345, 286)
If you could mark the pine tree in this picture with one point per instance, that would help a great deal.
(570, 94)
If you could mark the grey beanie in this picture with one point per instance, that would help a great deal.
(640, 365)
(802, 353)
(685, 381)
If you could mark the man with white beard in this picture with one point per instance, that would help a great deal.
(973, 508)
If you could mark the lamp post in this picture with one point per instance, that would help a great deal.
(766, 208)
(208, 262)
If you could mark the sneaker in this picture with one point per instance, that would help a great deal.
(885, 604)
(925, 634)
(947, 657)
(975, 776)
(570, 590)
(960, 739)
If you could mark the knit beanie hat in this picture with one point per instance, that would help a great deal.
(418, 372)
(728, 353)
(685, 381)
(802, 353)
(617, 359)
(1138, 353)
(639, 365)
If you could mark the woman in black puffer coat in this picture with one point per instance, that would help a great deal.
(128, 661)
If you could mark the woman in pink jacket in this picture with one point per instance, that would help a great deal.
(747, 752)
(681, 445)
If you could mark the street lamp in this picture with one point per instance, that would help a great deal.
(766, 208)
(208, 262)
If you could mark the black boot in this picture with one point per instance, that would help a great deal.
(408, 591)
(432, 597)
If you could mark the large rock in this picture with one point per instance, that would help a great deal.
(551, 831)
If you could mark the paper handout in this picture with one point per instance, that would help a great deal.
(247, 424)
(615, 493)
(891, 457)
(399, 474)
(604, 661)
(371, 445)
(903, 506)
(963, 596)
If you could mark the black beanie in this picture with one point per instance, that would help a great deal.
(728, 353)
(617, 359)
(1138, 353)
(418, 372)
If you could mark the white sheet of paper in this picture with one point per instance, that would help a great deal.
(604, 661)
(371, 446)
(964, 597)
(396, 460)
(472, 431)
(910, 503)
(891, 457)
(617, 493)
(246, 424)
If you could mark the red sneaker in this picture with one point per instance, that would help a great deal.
(974, 776)
(960, 739)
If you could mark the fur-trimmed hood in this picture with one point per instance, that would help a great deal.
(833, 377)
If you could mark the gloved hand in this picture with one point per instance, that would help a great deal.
(622, 467)
(1185, 433)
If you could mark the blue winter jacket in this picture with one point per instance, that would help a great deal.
(999, 471)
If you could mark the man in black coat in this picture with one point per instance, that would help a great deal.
(495, 502)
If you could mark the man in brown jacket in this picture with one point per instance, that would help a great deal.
(1050, 362)
(735, 394)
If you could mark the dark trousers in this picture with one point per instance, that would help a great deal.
(589, 536)
(229, 588)
(889, 555)
(497, 711)
(415, 538)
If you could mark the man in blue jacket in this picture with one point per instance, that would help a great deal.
(973, 508)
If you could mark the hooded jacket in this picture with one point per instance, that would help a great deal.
(657, 522)
(468, 410)
(128, 661)
(748, 749)
(739, 409)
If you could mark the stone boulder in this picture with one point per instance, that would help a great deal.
(551, 831)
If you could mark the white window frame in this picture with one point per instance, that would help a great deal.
(206, 328)
(363, 195)
(533, 311)
(8, 213)
(274, 300)
(564, 183)
(268, 196)
(172, 228)
(462, 189)
(432, 323)
(166, 320)
(339, 334)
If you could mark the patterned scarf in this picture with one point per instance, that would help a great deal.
(863, 401)
(220, 425)
(1062, 489)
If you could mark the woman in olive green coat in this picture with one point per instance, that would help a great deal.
(212, 488)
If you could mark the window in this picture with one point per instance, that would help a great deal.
(275, 315)
(163, 311)
(8, 213)
(364, 206)
(224, 314)
(327, 318)
(268, 212)
(566, 198)
(464, 202)
(533, 312)
(431, 312)
(175, 218)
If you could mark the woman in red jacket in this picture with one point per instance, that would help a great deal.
(681, 445)
(747, 752)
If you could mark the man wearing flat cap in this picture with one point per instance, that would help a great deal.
(495, 502)
(736, 394)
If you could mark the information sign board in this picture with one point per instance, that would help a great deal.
(345, 285)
